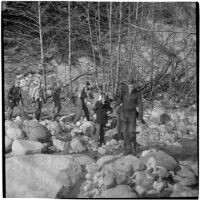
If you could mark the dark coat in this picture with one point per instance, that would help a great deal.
(101, 110)
(129, 103)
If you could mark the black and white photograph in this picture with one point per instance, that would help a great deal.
(100, 99)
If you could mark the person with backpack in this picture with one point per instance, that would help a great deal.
(14, 99)
(82, 107)
(37, 96)
(56, 91)
(126, 107)
(101, 108)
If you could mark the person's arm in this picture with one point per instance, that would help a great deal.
(118, 103)
(20, 95)
(10, 94)
(140, 105)
(96, 107)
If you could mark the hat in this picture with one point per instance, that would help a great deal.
(131, 82)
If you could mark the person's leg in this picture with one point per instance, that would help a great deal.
(79, 112)
(38, 110)
(97, 135)
(10, 113)
(86, 111)
(132, 130)
(59, 109)
(102, 134)
(127, 141)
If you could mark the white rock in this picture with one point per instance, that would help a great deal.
(18, 119)
(162, 159)
(102, 150)
(109, 180)
(158, 186)
(92, 168)
(105, 159)
(77, 145)
(140, 189)
(41, 176)
(182, 191)
(8, 144)
(23, 147)
(88, 128)
(113, 142)
(15, 133)
(36, 131)
(54, 127)
(120, 191)
(60, 145)
(78, 123)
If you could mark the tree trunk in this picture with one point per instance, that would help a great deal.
(152, 53)
(111, 77)
(93, 53)
(119, 46)
(99, 46)
(41, 50)
(69, 56)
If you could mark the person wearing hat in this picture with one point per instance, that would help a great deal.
(101, 109)
(125, 107)
(82, 107)
(14, 98)
(37, 96)
(56, 91)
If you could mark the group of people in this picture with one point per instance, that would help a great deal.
(37, 98)
(128, 107)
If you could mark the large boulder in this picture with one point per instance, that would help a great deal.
(36, 131)
(11, 124)
(106, 160)
(120, 191)
(8, 144)
(77, 145)
(60, 144)
(82, 159)
(41, 176)
(15, 133)
(24, 147)
(54, 127)
(161, 158)
(183, 191)
(88, 128)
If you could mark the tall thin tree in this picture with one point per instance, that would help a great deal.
(41, 47)
(91, 42)
(69, 55)
(119, 46)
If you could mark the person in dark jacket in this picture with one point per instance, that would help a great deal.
(125, 107)
(82, 107)
(38, 99)
(14, 98)
(102, 106)
(56, 91)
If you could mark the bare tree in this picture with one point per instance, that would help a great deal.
(119, 45)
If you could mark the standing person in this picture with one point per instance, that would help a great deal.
(56, 100)
(82, 107)
(126, 109)
(14, 98)
(100, 109)
(38, 98)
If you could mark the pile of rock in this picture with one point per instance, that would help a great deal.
(165, 126)
(154, 174)
(28, 137)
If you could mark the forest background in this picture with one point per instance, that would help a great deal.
(105, 42)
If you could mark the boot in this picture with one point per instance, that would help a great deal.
(127, 149)
(134, 141)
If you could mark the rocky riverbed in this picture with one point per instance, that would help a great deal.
(62, 160)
